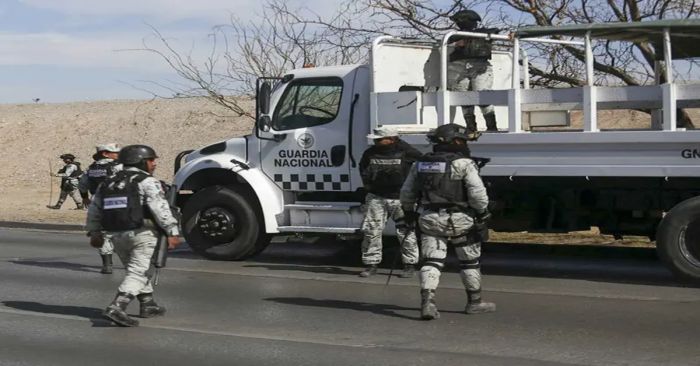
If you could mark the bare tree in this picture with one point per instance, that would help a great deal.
(289, 38)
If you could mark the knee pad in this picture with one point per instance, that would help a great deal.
(470, 264)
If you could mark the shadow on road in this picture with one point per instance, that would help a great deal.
(592, 263)
(379, 309)
(92, 314)
(58, 264)
(310, 269)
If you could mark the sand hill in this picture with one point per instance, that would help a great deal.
(32, 136)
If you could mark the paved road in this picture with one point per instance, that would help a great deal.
(302, 304)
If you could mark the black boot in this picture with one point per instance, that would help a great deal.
(116, 311)
(79, 206)
(491, 122)
(476, 306)
(57, 206)
(369, 271)
(472, 131)
(106, 264)
(149, 308)
(428, 308)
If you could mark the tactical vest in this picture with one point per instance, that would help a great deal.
(386, 172)
(66, 181)
(97, 173)
(121, 202)
(438, 189)
(75, 174)
(474, 48)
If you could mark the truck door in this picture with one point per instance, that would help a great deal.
(310, 125)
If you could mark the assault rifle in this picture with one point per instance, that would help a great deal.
(160, 255)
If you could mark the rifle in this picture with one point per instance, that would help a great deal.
(160, 255)
(401, 244)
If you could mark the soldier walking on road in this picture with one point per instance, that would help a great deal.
(447, 184)
(383, 168)
(69, 182)
(130, 207)
(104, 166)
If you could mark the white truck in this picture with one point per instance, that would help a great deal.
(297, 173)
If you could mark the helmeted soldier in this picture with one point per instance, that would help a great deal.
(383, 168)
(469, 67)
(104, 166)
(70, 173)
(130, 207)
(447, 186)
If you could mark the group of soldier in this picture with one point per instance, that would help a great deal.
(127, 212)
(127, 209)
(445, 185)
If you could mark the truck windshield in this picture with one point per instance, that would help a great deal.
(308, 102)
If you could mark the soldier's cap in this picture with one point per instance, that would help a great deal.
(383, 132)
(466, 16)
(111, 147)
(67, 156)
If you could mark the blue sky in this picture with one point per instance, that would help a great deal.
(77, 50)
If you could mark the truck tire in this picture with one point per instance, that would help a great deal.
(678, 240)
(221, 224)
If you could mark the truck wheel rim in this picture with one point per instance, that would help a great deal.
(217, 224)
(689, 243)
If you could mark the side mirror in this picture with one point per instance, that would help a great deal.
(264, 98)
(264, 123)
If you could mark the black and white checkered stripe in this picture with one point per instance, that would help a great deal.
(313, 182)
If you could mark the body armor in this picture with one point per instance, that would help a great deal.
(97, 173)
(438, 189)
(386, 172)
(121, 202)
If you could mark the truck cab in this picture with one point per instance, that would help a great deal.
(297, 172)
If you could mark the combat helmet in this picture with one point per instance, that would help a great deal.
(466, 19)
(136, 155)
(445, 134)
(67, 157)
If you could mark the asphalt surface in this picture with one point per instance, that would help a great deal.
(302, 304)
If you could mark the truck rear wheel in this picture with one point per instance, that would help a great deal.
(221, 224)
(678, 239)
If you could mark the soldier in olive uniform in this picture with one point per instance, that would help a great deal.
(447, 186)
(469, 67)
(104, 166)
(383, 168)
(70, 173)
(131, 207)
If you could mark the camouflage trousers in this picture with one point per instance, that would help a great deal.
(74, 194)
(466, 75)
(107, 246)
(438, 229)
(378, 210)
(135, 249)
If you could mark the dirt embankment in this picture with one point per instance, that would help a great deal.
(32, 136)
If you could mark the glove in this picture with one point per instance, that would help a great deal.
(411, 218)
(96, 240)
(482, 218)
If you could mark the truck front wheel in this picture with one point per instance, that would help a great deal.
(221, 224)
(678, 239)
